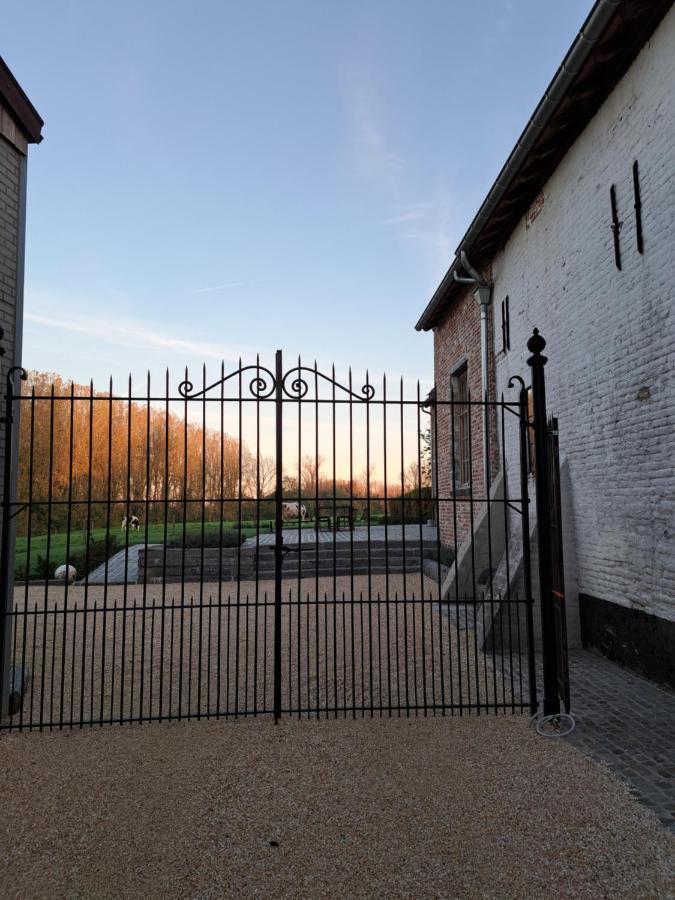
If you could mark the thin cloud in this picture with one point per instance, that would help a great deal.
(424, 223)
(375, 156)
(402, 218)
(219, 287)
(134, 335)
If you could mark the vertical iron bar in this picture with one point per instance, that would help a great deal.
(421, 533)
(386, 546)
(351, 539)
(112, 668)
(15, 619)
(472, 520)
(257, 533)
(506, 544)
(370, 560)
(48, 551)
(165, 530)
(90, 450)
(31, 455)
(335, 599)
(69, 508)
(278, 527)
(93, 665)
(201, 552)
(181, 628)
(298, 598)
(436, 506)
(317, 523)
(107, 553)
(127, 512)
(148, 510)
(405, 568)
(220, 532)
(237, 653)
(32, 665)
(51, 683)
(453, 469)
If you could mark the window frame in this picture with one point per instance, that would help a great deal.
(462, 449)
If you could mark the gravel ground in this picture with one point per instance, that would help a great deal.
(462, 807)
(349, 655)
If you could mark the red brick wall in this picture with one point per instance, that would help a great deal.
(457, 337)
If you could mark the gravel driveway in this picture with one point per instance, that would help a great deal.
(349, 655)
(461, 807)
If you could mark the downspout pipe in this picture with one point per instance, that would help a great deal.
(483, 294)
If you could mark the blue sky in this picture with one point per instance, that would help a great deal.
(223, 178)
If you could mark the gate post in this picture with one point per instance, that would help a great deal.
(278, 527)
(542, 475)
(7, 687)
(525, 527)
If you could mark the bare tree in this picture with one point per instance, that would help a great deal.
(310, 475)
(259, 475)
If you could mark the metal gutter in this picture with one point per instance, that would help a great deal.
(591, 31)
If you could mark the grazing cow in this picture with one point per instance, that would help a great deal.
(130, 522)
(294, 511)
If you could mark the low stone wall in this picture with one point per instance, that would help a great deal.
(196, 564)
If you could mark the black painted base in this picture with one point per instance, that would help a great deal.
(629, 637)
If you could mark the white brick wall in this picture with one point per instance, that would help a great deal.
(610, 333)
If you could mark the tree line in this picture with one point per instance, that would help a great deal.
(86, 459)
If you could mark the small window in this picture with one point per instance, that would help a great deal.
(463, 430)
(506, 328)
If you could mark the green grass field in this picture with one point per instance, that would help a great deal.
(59, 546)
(51, 553)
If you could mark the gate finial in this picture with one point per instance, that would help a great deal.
(536, 343)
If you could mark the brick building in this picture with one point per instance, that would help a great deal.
(576, 238)
(20, 125)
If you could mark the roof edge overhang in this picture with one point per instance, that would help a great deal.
(609, 40)
(15, 99)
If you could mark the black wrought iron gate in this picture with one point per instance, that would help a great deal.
(273, 541)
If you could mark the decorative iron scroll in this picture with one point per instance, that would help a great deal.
(299, 387)
(516, 378)
(262, 386)
(293, 385)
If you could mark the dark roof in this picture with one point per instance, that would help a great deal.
(609, 40)
(13, 97)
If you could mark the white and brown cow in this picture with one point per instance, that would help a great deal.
(131, 522)
(294, 511)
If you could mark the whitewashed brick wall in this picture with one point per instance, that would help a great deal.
(610, 333)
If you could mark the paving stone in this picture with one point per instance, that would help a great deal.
(623, 722)
(628, 723)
